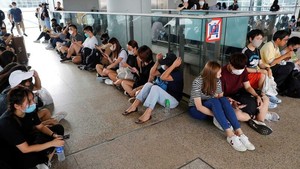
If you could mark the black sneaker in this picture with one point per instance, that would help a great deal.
(260, 127)
(65, 59)
(25, 34)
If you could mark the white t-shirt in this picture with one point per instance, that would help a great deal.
(124, 56)
(90, 42)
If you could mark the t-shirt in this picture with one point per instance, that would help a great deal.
(131, 61)
(175, 87)
(77, 37)
(253, 57)
(196, 91)
(90, 42)
(29, 122)
(11, 134)
(269, 53)
(144, 72)
(232, 83)
(124, 56)
(17, 14)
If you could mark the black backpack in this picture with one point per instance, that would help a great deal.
(90, 58)
(293, 85)
(2, 15)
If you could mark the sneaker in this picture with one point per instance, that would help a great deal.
(272, 105)
(131, 100)
(272, 116)
(45, 41)
(275, 99)
(25, 34)
(245, 141)
(37, 41)
(101, 78)
(108, 82)
(42, 166)
(217, 124)
(260, 127)
(60, 115)
(126, 94)
(49, 47)
(235, 142)
(65, 59)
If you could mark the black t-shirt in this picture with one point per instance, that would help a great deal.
(29, 122)
(253, 57)
(175, 87)
(131, 61)
(143, 75)
(11, 135)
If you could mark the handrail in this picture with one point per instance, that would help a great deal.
(250, 13)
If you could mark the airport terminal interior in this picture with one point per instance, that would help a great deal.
(102, 138)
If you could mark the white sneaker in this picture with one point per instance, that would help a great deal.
(272, 116)
(217, 124)
(235, 142)
(272, 105)
(60, 115)
(45, 41)
(42, 166)
(36, 41)
(108, 82)
(244, 139)
(49, 47)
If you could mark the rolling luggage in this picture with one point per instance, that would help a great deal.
(19, 46)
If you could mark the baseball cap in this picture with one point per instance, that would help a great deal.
(168, 59)
(16, 77)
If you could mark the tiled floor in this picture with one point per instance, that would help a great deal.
(102, 138)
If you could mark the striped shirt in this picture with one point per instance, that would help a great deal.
(196, 91)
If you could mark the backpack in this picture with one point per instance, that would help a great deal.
(90, 58)
(2, 15)
(293, 85)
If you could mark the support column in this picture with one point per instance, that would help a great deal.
(125, 28)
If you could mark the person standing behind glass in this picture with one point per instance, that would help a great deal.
(202, 5)
(234, 6)
(45, 16)
(17, 17)
(275, 6)
(56, 15)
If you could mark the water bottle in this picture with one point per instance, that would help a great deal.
(167, 107)
(60, 153)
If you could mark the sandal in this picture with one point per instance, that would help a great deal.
(141, 122)
(129, 112)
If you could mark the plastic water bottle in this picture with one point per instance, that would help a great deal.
(60, 153)
(167, 107)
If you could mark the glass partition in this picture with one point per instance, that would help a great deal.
(183, 34)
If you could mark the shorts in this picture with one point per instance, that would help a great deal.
(254, 79)
(247, 99)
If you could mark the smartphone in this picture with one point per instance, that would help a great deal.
(67, 136)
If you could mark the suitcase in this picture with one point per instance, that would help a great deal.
(20, 50)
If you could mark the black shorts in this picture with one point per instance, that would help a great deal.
(247, 99)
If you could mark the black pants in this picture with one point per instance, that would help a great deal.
(30, 160)
(247, 99)
(44, 34)
(281, 73)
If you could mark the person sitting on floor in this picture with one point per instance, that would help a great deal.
(293, 44)
(151, 93)
(25, 141)
(145, 63)
(249, 105)
(76, 42)
(258, 72)
(207, 100)
(119, 56)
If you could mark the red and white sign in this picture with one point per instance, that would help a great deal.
(213, 30)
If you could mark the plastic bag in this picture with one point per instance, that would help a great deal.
(269, 87)
(124, 73)
(45, 96)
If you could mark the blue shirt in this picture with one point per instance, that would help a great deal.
(17, 14)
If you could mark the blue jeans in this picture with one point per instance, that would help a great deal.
(222, 111)
(152, 94)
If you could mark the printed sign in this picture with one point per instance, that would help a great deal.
(213, 30)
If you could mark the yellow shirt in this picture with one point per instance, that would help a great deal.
(269, 53)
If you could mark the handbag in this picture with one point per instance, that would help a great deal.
(269, 87)
(162, 84)
(125, 73)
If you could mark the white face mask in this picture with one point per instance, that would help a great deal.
(237, 71)
(113, 48)
(130, 52)
(256, 43)
(70, 32)
(201, 3)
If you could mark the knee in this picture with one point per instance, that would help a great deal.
(155, 89)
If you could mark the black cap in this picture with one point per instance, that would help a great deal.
(168, 59)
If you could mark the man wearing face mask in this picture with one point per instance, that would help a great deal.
(249, 106)
(76, 42)
(87, 46)
(258, 72)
